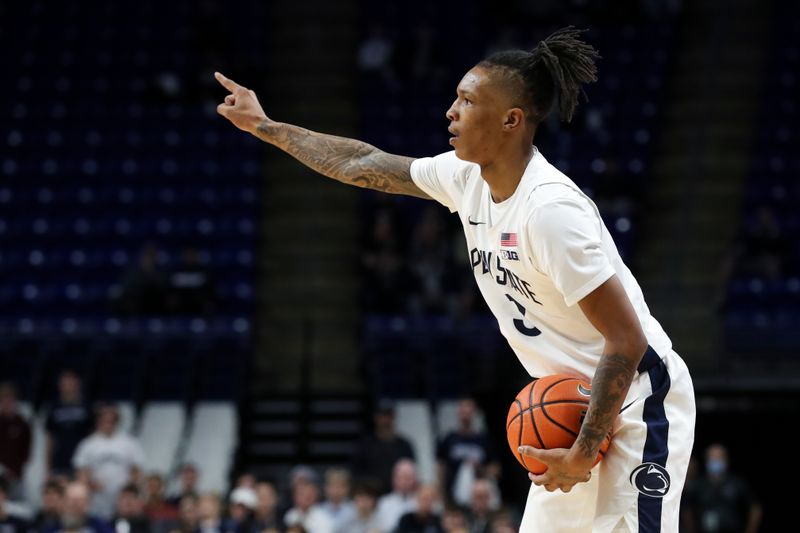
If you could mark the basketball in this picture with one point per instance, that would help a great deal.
(548, 414)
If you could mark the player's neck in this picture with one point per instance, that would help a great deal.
(504, 173)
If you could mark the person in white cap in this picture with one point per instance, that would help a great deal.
(241, 505)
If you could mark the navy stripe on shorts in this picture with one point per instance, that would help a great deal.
(655, 444)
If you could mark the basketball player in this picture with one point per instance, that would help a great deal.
(551, 274)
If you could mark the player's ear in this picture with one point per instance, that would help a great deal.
(513, 119)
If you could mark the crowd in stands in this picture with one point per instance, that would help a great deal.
(438, 281)
(720, 500)
(762, 249)
(146, 288)
(96, 484)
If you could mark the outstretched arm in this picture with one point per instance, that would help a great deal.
(346, 160)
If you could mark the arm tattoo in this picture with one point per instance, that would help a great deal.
(610, 385)
(346, 160)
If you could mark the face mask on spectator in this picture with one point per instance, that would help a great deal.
(716, 467)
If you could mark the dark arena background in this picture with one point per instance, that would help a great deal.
(256, 333)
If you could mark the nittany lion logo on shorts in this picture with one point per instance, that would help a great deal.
(651, 479)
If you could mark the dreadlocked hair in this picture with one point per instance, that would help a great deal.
(554, 71)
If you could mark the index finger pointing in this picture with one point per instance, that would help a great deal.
(225, 82)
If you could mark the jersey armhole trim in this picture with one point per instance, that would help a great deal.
(581, 292)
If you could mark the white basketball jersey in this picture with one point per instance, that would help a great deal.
(535, 256)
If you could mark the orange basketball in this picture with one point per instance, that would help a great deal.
(547, 414)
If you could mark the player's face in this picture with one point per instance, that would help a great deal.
(476, 118)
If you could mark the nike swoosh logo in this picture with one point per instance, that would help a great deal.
(473, 223)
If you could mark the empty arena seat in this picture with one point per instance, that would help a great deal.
(34, 473)
(413, 421)
(99, 177)
(160, 432)
(211, 443)
(127, 417)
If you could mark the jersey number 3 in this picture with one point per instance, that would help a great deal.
(519, 323)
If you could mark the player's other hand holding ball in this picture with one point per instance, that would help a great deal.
(241, 107)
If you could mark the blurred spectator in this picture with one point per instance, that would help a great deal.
(209, 514)
(760, 249)
(130, 517)
(467, 301)
(384, 231)
(424, 518)
(266, 513)
(365, 499)
(431, 263)
(144, 287)
(107, 460)
(246, 480)
(75, 515)
(402, 499)
(301, 474)
(186, 521)
(156, 507)
(241, 505)
(191, 288)
(15, 440)
(388, 283)
(69, 421)
(454, 520)
(49, 515)
(480, 508)
(188, 514)
(386, 277)
(720, 502)
(502, 523)
(378, 452)
(189, 477)
(465, 454)
(8, 523)
(306, 512)
(297, 528)
(337, 498)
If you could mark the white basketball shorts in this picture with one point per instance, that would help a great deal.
(637, 487)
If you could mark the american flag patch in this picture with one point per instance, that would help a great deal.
(508, 239)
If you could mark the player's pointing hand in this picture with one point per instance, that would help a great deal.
(241, 107)
(564, 468)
